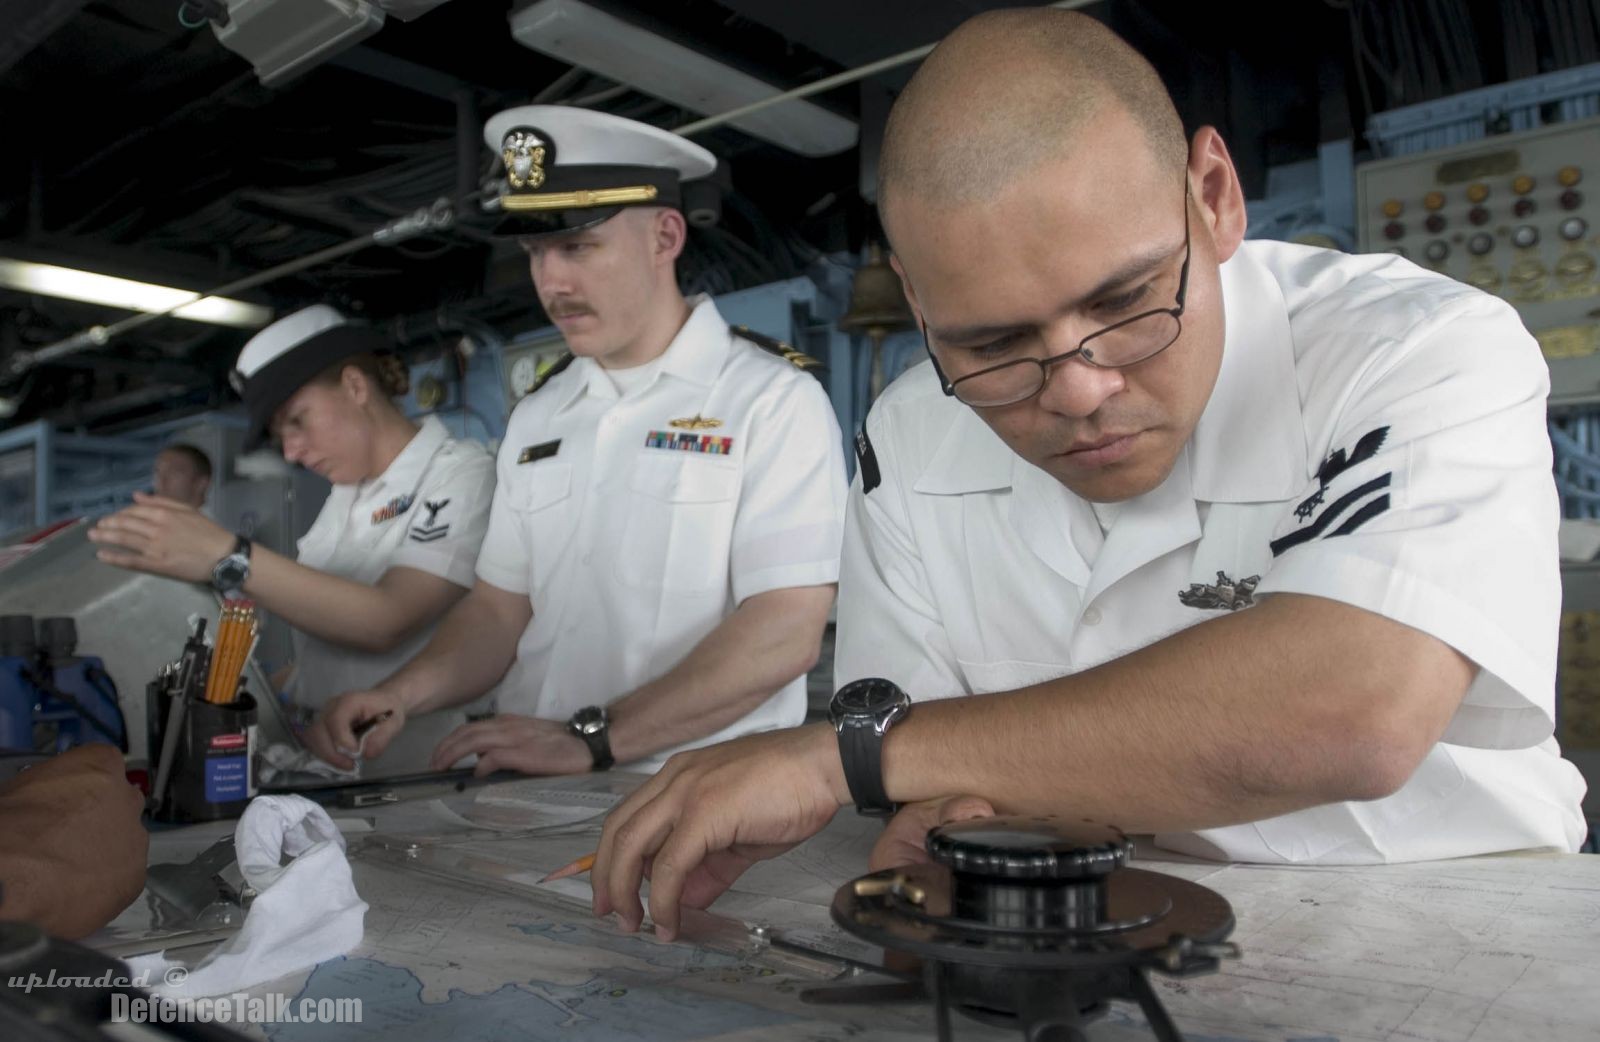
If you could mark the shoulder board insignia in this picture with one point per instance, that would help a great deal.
(787, 352)
(866, 461)
(549, 374)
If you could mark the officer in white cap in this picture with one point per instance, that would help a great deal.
(664, 542)
(394, 545)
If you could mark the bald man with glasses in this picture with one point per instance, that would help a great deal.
(1247, 545)
(1012, 364)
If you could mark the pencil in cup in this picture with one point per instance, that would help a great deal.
(222, 653)
(245, 639)
(237, 635)
(219, 652)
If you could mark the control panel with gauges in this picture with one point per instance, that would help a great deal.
(526, 362)
(1517, 215)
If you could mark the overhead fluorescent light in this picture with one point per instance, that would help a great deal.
(283, 38)
(574, 32)
(93, 288)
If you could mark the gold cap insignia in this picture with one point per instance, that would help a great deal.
(695, 423)
(524, 154)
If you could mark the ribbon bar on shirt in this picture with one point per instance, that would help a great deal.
(682, 441)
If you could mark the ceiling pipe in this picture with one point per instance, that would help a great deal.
(28, 23)
(441, 215)
(424, 220)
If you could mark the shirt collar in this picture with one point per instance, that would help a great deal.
(405, 469)
(970, 458)
(701, 347)
(1250, 443)
(696, 354)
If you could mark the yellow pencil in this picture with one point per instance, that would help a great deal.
(583, 864)
(219, 652)
(237, 631)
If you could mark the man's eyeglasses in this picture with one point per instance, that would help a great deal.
(1128, 342)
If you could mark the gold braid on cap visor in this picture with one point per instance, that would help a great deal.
(583, 198)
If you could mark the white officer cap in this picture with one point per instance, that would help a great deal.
(569, 168)
(283, 357)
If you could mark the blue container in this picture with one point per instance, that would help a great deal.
(18, 697)
(79, 695)
(19, 692)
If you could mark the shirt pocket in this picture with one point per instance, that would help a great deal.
(545, 485)
(679, 528)
(542, 502)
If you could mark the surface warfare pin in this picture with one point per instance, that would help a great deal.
(1223, 595)
(695, 423)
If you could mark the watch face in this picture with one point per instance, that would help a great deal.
(867, 698)
(589, 720)
(231, 570)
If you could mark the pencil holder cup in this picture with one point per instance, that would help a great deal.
(213, 768)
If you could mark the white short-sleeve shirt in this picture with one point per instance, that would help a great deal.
(637, 522)
(1376, 436)
(427, 511)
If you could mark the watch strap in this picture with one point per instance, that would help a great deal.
(599, 743)
(597, 739)
(861, 751)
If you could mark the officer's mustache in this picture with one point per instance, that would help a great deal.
(567, 308)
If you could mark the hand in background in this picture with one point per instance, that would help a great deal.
(332, 736)
(511, 742)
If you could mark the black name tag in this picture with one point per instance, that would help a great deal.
(535, 453)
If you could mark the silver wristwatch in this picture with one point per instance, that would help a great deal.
(862, 713)
(593, 724)
(229, 574)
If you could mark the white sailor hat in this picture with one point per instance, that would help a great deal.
(286, 355)
(569, 168)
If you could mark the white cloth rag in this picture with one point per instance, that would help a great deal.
(305, 912)
(280, 760)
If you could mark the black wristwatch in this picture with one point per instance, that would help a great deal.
(229, 574)
(861, 713)
(592, 724)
